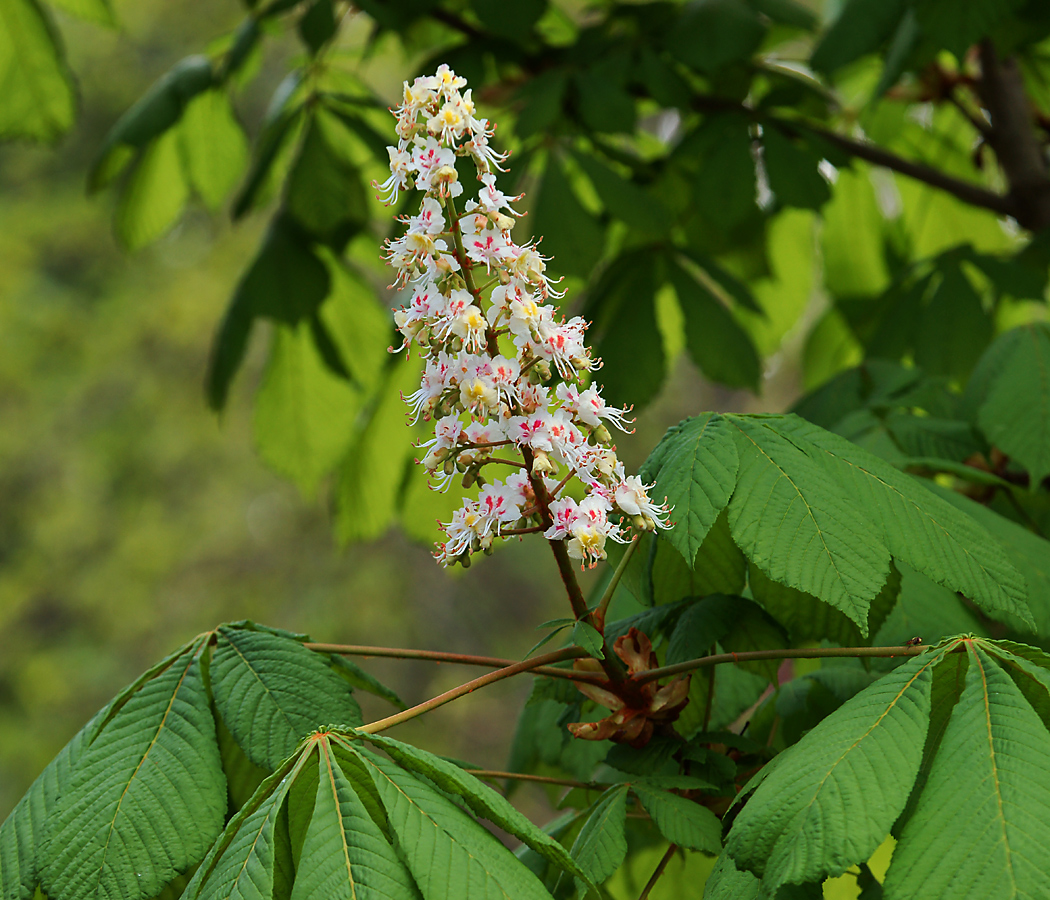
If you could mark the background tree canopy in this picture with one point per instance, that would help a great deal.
(838, 208)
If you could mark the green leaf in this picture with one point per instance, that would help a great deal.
(481, 799)
(450, 856)
(317, 24)
(681, 821)
(808, 619)
(601, 845)
(214, 147)
(146, 799)
(98, 11)
(571, 236)
(587, 636)
(918, 527)
(714, 33)
(724, 190)
(304, 413)
(240, 864)
(286, 282)
(542, 97)
(925, 610)
(151, 116)
(953, 328)
(510, 21)
(625, 333)
(272, 692)
(956, 26)
(344, 855)
(1014, 402)
(716, 341)
(24, 833)
(623, 198)
(604, 105)
(1028, 552)
(793, 523)
(981, 825)
(359, 678)
(832, 799)
(695, 467)
(38, 101)
(701, 626)
(861, 28)
(373, 472)
(154, 196)
(792, 170)
(325, 193)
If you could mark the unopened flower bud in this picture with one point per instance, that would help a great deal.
(541, 463)
(504, 223)
(602, 434)
(446, 175)
(449, 467)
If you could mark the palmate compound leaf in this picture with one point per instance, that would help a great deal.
(271, 692)
(480, 798)
(796, 524)
(917, 526)
(981, 826)
(345, 855)
(695, 466)
(833, 796)
(146, 798)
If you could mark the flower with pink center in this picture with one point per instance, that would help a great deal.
(589, 408)
(563, 515)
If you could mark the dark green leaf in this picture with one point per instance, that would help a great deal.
(695, 467)
(624, 199)
(798, 526)
(716, 341)
(587, 636)
(601, 845)
(713, 33)
(681, 821)
(317, 24)
(792, 170)
(955, 26)
(953, 327)
(832, 799)
(860, 29)
(724, 191)
(513, 21)
(273, 692)
(989, 766)
(571, 236)
(146, 798)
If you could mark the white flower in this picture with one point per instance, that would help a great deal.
(630, 495)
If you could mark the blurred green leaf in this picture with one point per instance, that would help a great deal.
(953, 329)
(213, 145)
(317, 25)
(304, 413)
(715, 32)
(716, 342)
(37, 99)
(150, 117)
(792, 170)
(155, 194)
(724, 191)
(98, 11)
(514, 21)
(860, 28)
(571, 236)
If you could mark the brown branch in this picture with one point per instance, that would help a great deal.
(1013, 137)
(660, 866)
(471, 686)
(495, 775)
(788, 653)
(964, 190)
(463, 659)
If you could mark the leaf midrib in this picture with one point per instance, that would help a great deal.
(325, 748)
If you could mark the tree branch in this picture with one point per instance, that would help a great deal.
(655, 877)
(787, 653)
(966, 191)
(471, 686)
(495, 775)
(1012, 136)
(465, 659)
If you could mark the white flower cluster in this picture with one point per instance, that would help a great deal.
(502, 368)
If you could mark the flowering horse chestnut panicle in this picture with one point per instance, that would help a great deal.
(503, 371)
